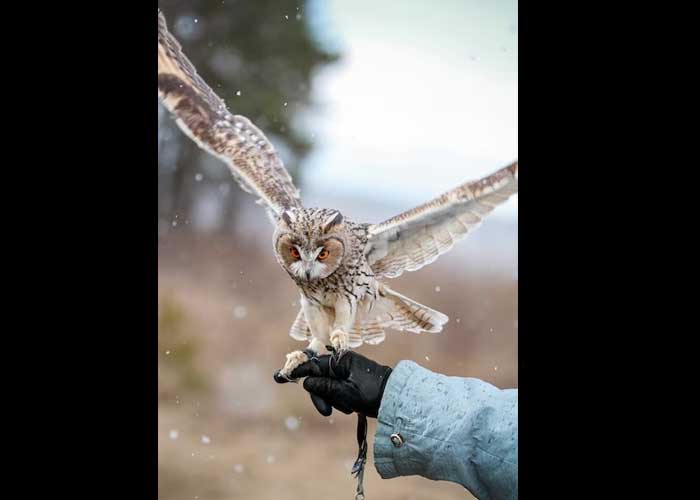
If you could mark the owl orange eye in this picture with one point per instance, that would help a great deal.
(294, 252)
(324, 254)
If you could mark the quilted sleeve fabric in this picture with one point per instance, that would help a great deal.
(455, 429)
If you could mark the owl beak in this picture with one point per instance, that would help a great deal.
(308, 275)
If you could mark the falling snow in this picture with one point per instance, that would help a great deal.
(292, 423)
(238, 92)
(427, 358)
(270, 459)
(437, 289)
(240, 312)
(174, 434)
(198, 177)
(206, 439)
(238, 468)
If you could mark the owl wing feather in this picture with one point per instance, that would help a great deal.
(203, 116)
(418, 236)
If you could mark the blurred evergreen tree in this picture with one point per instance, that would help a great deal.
(259, 56)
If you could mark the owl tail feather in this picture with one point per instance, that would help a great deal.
(402, 313)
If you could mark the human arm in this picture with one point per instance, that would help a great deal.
(443, 428)
(448, 428)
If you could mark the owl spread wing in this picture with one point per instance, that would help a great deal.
(417, 237)
(203, 116)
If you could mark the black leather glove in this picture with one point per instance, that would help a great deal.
(352, 384)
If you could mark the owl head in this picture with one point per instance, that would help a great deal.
(310, 242)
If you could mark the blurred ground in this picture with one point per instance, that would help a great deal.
(226, 430)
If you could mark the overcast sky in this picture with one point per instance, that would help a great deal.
(424, 98)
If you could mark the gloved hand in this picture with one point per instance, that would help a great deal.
(352, 384)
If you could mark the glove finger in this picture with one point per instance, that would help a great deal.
(279, 378)
(307, 369)
(323, 406)
(330, 390)
(327, 388)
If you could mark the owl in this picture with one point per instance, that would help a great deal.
(339, 266)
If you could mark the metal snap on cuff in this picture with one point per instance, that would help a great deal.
(397, 440)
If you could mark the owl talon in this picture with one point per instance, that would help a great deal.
(294, 359)
(340, 343)
(336, 354)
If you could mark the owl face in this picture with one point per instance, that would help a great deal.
(309, 243)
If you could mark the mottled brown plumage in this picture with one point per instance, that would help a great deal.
(415, 238)
(203, 116)
(335, 262)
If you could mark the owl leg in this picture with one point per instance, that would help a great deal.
(294, 359)
(340, 341)
(319, 324)
(297, 358)
(315, 348)
(345, 311)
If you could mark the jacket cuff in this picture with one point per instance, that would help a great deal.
(388, 456)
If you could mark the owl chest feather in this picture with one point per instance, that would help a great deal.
(351, 283)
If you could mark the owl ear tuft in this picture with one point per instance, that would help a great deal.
(332, 220)
(288, 217)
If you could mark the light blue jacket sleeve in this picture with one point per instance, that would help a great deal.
(454, 429)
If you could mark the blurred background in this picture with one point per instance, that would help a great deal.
(374, 107)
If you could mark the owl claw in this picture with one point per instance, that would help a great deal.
(294, 359)
(336, 354)
(340, 345)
